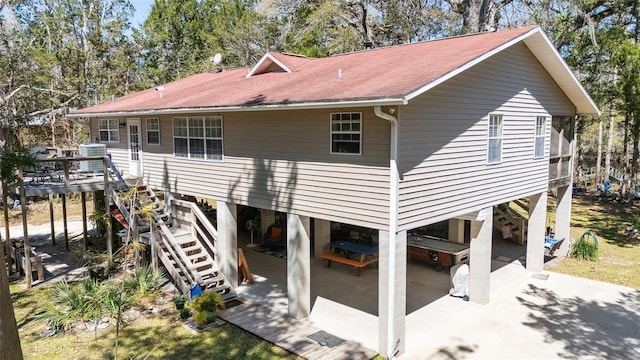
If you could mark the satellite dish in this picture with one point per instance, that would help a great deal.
(216, 59)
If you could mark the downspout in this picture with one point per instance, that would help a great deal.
(392, 345)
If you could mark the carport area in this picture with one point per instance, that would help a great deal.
(343, 304)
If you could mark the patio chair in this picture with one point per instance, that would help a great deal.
(274, 238)
(551, 245)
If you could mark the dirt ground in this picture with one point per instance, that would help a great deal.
(38, 210)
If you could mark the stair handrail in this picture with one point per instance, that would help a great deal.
(178, 253)
(203, 220)
(184, 287)
(116, 201)
(115, 172)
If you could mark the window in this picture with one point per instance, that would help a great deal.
(198, 137)
(153, 131)
(541, 126)
(346, 132)
(109, 131)
(495, 139)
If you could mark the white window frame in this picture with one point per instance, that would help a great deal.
(192, 132)
(495, 132)
(155, 130)
(342, 119)
(540, 136)
(110, 127)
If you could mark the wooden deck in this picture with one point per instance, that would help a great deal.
(291, 334)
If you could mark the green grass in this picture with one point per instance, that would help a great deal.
(152, 336)
(618, 249)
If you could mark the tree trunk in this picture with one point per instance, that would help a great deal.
(25, 232)
(607, 160)
(9, 338)
(636, 137)
(598, 179)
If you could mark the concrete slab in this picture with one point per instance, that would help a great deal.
(529, 318)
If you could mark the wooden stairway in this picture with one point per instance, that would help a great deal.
(184, 248)
(202, 261)
(504, 216)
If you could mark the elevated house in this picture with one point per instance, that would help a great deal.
(390, 139)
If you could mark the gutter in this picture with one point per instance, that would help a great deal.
(393, 229)
(226, 109)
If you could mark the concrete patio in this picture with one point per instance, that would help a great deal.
(542, 315)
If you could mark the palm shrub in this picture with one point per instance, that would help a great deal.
(72, 303)
(144, 281)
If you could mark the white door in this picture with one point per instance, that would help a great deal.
(135, 147)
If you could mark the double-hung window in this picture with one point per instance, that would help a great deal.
(346, 133)
(198, 137)
(494, 151)
(541, 126)
(153, 131)
(109, 131)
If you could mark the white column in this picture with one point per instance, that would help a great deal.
(267, 218)
(299, 265)
(563, 218)
(480, 257)
(321, 236)
(456, 230)
(227, 244)
(536, 231)
(392, 293)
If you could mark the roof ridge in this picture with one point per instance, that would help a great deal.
(523, 30)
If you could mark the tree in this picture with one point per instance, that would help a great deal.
(62, 54)
(10, 348)
(478, 15)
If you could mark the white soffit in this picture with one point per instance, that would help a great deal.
(551, 60)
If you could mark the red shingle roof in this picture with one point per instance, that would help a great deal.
(370, 75)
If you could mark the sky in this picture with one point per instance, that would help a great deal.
(142, 9)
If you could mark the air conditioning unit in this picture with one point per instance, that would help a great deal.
(90, 150)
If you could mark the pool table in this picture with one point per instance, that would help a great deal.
(436, 251)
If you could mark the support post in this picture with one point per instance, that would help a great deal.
(107, 209)
(392, 292)
(83, 196)
(563, 218)
(64, 220)
(299, 265)
(480, 257)
(154, 245)
(227, 244)
(456, 230)
(536, 234)
(267, 218)
(52, 220)
(322, 235)
(25, 232)
(7, 232)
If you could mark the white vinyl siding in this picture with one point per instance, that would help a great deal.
(198, 137)
(109, 130)
(153, 131)
(346, 133)
(539, 139)
(271, 161)
(494, 146)
(443, 139)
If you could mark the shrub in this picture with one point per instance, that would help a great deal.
(205, 307)
(144, 281)
(585, 249)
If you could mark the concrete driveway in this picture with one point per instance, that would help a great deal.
(531, 316)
